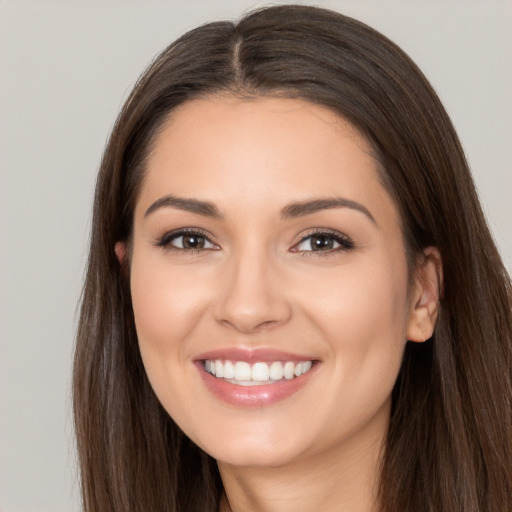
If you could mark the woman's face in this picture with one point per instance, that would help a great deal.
(264, 246)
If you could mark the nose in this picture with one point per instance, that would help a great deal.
(252, 296)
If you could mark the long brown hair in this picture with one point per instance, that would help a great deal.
(449, 443)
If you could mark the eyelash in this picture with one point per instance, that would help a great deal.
(345, 242)
(166, 240)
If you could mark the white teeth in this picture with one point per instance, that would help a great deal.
(276, 371)
(229, 370)
(245, 374)
(306, 366)
(289, 370)
(242, 370)
(260, 372)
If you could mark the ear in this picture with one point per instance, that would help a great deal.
(120, 250)
(426, 292)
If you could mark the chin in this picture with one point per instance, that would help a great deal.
(254, 456)
(263, 446)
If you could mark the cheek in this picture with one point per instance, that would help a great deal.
(361, 314)
(360, 297)
(362, 311)
(167, 304)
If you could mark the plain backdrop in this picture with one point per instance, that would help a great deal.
(65, 69)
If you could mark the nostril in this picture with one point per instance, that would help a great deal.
(249, 324)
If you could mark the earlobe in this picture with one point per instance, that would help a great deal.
(120, 250)
(426, 294)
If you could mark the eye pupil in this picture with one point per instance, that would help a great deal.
(321, 242)
(193, 242)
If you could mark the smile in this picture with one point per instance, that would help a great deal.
(255, 378)
(260, 373)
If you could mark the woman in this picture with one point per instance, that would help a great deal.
(292, 298)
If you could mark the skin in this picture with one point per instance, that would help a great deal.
(255, 284)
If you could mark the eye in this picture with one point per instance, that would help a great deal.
(324, 242)
(186, 240)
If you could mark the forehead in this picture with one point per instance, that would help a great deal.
(231, 150)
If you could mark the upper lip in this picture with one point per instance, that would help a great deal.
(252, 355)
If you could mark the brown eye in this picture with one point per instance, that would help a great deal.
(321, 243)
(324, 242)
(186, 241)
(193, 241)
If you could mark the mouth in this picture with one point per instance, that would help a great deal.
(260, 373)
(254, 378)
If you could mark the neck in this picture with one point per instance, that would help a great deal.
(346, 478)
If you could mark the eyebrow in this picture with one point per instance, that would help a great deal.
(291, 211)
(204, 208)
(303, 208)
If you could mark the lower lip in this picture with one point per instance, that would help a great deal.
(253, 396)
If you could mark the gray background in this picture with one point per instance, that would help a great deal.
(65, 68)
